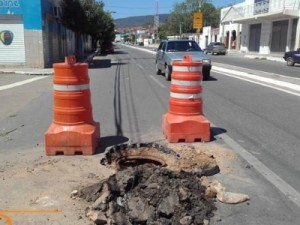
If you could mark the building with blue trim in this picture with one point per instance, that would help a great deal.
(31, 34)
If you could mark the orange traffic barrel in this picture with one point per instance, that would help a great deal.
(73, 130)
(185, 121)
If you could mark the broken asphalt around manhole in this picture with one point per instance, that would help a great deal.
(41, 182)
(157, 184)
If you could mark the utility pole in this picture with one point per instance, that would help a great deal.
(198, 30)
(156, 21)
(198, 21)
(180, 29)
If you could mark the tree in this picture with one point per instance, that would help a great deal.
(162, 32)
(106, 28)
(88, 17)
(73, 15)
(211, 15)
(75, 23)
(100, 23)
(181, 19)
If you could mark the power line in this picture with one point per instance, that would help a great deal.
(126, 7)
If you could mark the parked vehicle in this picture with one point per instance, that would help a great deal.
(292, 57)
(107, 47)
(216, 48)
(174, 50)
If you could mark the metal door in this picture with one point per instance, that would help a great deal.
(254, 41)
(279, 36)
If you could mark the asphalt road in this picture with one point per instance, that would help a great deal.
(129, 100)
(128, 96)
(261, 120)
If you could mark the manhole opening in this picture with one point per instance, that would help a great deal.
(133, 162)
(148, 154)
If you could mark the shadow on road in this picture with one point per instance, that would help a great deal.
(215, 131)
(109, 141)
(103, 63)
(100, 63)
(211, 79)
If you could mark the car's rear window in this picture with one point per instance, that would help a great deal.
(182, 46)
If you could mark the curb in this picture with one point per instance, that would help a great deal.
(43, 73)
(264, 57)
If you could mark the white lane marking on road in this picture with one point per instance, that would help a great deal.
(8, 86)
(259, 83)
(258, 78)
(152, 77)
(279, 75)
(269, 80)
(141, 67)
(273, 178)
(157, 81)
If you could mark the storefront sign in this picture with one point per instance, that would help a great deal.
(261, 6)
(9, 4)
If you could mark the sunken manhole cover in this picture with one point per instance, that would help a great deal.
(123, 156)
(152, 185)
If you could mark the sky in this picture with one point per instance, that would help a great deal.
(128, 8)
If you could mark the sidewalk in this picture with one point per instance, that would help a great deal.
(40, 71)
(27, 71)
(271, 57)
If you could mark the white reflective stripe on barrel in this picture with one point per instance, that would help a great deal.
(58, 87)
(185, 96)
(186, 82)
(187, 68)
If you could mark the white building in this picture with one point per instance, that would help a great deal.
(261, 26)
(205, 37)
(32, 34)
(139, 36)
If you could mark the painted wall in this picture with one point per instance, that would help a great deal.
(30, 9)
(45, 39)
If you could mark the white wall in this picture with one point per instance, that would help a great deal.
(224, 28)
(265, 37)
(245, 37)
(205, 37)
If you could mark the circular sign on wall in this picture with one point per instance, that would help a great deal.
(6, 37)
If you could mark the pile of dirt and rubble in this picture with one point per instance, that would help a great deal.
(148, 195)
(152, 185)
